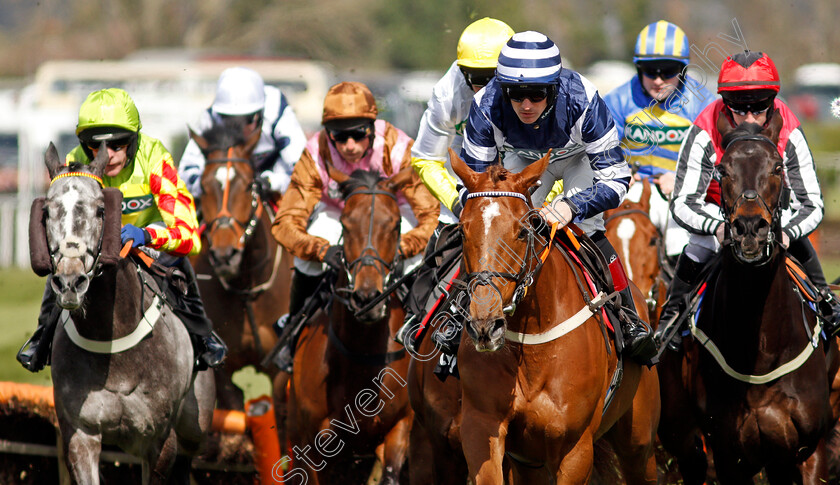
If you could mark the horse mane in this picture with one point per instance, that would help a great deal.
(222, 136)
(367, 179)
(497, 173)
(742, 130)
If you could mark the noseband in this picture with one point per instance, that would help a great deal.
(751, 196)
(70, 249)
(224, 218)
(525, 277)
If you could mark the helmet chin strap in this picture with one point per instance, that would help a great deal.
(551, 100)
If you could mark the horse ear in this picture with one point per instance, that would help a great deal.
(774, 127)
(724, 126)
(97, 166)
(336, 174)
(401, 178)
(463, 171)
(52, 160)
(198, 139)
(534, 171)
(645, 200)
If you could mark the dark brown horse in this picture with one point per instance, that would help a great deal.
(526, 395)
(348, 397)
(244, 275)
(638, 243)
(759, 387)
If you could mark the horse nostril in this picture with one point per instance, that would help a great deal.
(57, 284)
(80, 283)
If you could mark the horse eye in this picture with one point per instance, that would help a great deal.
(777, 169)
(523, 234)
(721, 171)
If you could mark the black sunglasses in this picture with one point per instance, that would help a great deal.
(664, 72)
(756, 108)
(518, 94)
(115, 145)
(478, 77)
(357, 134)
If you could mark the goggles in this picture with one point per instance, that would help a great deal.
(357, 134)
(115, 145)
(756, 107)
(665, 72)
(477, 77)
(518, 94)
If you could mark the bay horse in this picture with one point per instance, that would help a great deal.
(347, 397)
(540, 402)
(244, 275)
(640, 246)
(145, 398)
(759, 387)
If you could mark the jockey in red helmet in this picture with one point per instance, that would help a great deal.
(748, 84)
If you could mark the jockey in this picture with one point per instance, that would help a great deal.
(158, 213)
(534, 105)
(748, 83)
(442, 125)
(242, 97)
(308, 220)
(653, 111)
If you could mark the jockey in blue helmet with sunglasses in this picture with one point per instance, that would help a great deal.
(533, 105)
(653, 112)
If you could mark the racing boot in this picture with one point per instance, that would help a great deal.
(35, 353)
(303, 287)
(686, 272)
(638, 341)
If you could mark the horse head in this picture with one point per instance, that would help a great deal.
(370, 224)
(231, 203)
(751, 180)
(75, 210)
(500, 255)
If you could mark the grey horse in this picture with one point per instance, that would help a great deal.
(146, 399)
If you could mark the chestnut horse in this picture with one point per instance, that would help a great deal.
(759, 388)
(244, 275)
(347, 397)
(541, 399)
(639, 246)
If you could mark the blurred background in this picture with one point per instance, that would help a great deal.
(167, 55)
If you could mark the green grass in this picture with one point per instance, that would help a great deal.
(20, 300)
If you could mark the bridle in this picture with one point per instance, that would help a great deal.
(531, 262)
(70, 249)
(224, 218)
(751, 196)
(370, 256)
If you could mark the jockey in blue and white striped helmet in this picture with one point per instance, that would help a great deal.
(530, 59)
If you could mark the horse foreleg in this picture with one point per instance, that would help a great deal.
(812, 471)
(81, 452)
(280, 399)
(162, 460)
(483, 438)
(395, 448)
(576, 467)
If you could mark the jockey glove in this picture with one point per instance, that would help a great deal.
(334, 257)
(458, 205)
(264, 182)
(138, 236)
